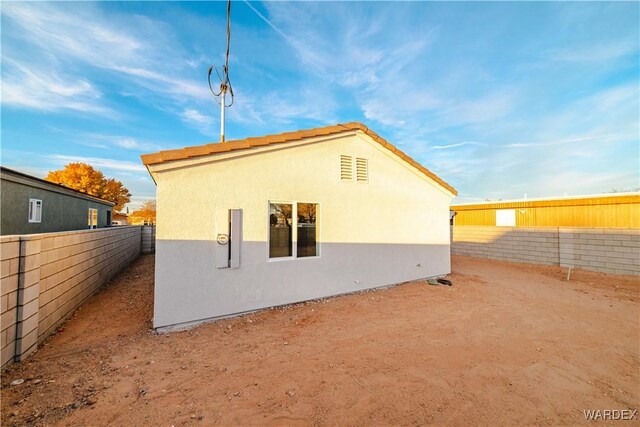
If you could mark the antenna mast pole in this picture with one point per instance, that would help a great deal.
(225, 83)
(222, 107)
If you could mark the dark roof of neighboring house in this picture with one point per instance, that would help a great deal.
(242, 144)
(53, 185)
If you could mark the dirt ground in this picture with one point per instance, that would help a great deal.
(506, 344)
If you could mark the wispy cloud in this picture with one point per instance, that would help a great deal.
(132, 47)
(98, 162)
(23, 87)
(194, 118)
(456, 145)
(571, 140)
(168, 84)
(120, 142)
(451, 75)
(598, 52)
(291, 41)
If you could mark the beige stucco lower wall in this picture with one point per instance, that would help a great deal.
(391, 229)
(45, 277)
(609, 250)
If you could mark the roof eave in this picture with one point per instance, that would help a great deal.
(210, 149)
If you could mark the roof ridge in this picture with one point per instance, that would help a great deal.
(251, 142)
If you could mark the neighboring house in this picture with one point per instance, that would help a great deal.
(615, 210)
(267, 221)
(139, 220)
(120, 218)
(32, 205)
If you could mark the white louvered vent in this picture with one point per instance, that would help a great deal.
(362, 170)
(346, 168)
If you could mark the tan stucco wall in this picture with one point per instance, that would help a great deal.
(371, 234)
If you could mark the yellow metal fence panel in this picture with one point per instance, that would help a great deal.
(614, 212)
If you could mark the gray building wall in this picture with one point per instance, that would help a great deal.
(62, 209)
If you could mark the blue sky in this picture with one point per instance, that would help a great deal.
(499, 99)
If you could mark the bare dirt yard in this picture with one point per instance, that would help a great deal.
(506, 344)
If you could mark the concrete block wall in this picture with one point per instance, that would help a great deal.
(148, 239)
(75, 264)
(515, 244)
(606, 250)
(45, 277)
(28, 291)
(10, 262)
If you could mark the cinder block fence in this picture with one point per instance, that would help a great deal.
(148, 239)
(46, 277)
(608, 250)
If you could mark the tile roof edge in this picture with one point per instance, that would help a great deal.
(251, 142)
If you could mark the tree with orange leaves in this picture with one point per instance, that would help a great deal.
(146, 214)
(83, 177)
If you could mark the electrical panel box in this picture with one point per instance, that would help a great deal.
(228, 238)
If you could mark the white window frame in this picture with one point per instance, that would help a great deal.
(294, 232)
(505, 217)
(90, 223)
(35, 216)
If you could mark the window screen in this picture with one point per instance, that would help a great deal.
(307, 230)
(35, 210)
(280, 230)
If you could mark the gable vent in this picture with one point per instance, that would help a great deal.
(346, 168)
(362, 170)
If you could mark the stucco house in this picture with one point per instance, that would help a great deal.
(267, 221)
(33, 205)
(120, 218)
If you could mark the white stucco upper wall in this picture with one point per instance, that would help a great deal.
(399, 204)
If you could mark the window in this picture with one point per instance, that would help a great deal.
(35, 210)
(506, 217)
(93, 218)
(280, 230)
(307, 244)
(362, 170)
(293, 231)
(346, 168)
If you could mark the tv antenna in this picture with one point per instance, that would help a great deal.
(225, 83)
